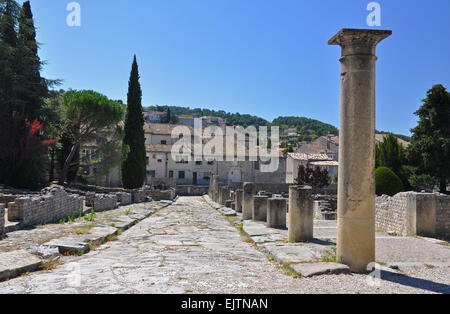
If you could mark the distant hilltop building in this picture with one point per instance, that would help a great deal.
(295, 160)
(155, 116)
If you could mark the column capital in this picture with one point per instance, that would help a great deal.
(359, 41)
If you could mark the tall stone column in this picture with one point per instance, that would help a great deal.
(247, 203)
(239, 197)
(356, 192)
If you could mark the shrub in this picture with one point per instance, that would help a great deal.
(387, 182)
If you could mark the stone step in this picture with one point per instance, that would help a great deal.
(69, 245)
(317, 269)
(15, 263)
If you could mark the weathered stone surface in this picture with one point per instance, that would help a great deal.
(317, 269)
(276, 213)
(69, 245)
(291, 253)
(227, 211)
(239, 195)
(2, 220)
(15, 263)
(124, 222)
(260, 208)
(356, 202)
(247, 203)
(101, 202)
(301, 214)
(44, 251)
(99, 235)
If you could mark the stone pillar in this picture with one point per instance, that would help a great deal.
(276, 213)
(219, 187)
(215, 188)
(260, 208)
(239, 197)
(356, 191)
(2, 220)
(224, 195)
(247, 203)
(301, 214)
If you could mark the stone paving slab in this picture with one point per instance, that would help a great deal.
(69, 246)
(212, 258)
(288, 253)
(15, 263)
(99, 235)
(228, 212)
(317, 269)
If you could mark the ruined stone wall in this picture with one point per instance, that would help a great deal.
(391, 213)
(443, 216)
(2, 220)
(159, 195)
(411, 213)
(191, 190)
(124, 198)
(101, 202)
(51, 207)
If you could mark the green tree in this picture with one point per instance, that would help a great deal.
(134, 163)
(89, 113)
(387, 182)
(429, 151)
(390, 153)
(31, 87)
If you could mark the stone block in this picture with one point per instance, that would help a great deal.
(276, 213)
(247, 203)
(260, 208)
(301, 214)
(239, 195)
(15, 263)
(317, 269)
(69, 245)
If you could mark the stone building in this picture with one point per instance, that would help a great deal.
(295, 160)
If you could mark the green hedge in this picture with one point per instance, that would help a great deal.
(387, 182)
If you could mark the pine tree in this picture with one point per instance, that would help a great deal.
(429, 151)
(134, 163)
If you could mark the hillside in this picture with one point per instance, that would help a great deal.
(307, 129)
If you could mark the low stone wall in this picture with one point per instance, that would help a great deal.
(54, 205)
(274, 188)
(191, 190)
(443, 216)
(124, 198)
(158, 195)
(391, 213)
(101, 202)
(410, 213)
(2, 220)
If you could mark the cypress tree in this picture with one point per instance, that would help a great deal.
(8, 100)
(31, 87)
(134, 163)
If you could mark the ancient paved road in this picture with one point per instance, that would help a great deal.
(189, 247)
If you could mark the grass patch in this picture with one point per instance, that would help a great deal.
(290, 272)
(429, 266)
(50, 265)
(330, 256)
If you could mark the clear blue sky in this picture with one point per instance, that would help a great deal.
(262, 57)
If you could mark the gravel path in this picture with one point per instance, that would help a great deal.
(190, 248)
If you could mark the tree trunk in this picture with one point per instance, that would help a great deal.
(443, 186)
(65, 169)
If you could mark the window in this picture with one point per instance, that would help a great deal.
(151, 173)
(147, 160)
(211, 162)
(171, 174)
(181, 175)
(199, 163)
(164, 142)
(256, 163)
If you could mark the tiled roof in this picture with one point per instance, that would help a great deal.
(163, 129)
(325, 163)
(158, 148)
(306, 157)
